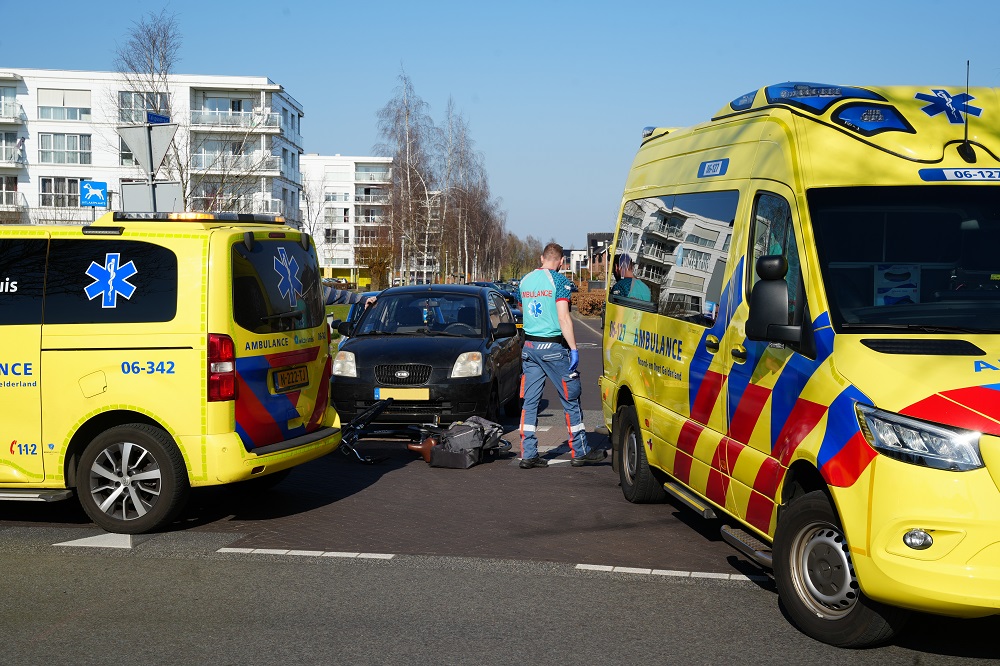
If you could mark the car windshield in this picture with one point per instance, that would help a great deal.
(916, 259)
(440, 313)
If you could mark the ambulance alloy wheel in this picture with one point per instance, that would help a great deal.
(639, 485)
(132, 479)
(816, 582)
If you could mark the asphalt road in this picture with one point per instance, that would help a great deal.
(399, 562)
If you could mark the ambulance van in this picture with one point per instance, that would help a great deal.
(149, 353)
(803, 341)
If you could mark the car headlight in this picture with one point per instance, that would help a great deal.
(920, 442)
(344, 365)
(469, 364)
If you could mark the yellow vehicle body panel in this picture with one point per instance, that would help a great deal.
(729, 417)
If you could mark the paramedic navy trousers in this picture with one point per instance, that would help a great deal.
(549, 359)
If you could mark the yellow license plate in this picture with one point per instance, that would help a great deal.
(403, 393)
(291, 379)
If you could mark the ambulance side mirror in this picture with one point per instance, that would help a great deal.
(768, 318)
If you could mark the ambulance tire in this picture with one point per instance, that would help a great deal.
(135, 505)
(816, 583)
(639, 482)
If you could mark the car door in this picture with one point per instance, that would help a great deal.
(22, 279)
(508, 350)
(764, 413)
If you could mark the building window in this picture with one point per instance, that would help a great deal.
(132, 106)
(60, 192)
(64, 148)
(63, 104)
(8, 190)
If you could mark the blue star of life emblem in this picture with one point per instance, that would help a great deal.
(289, 286)
(535, 309)
(942, 102)
(110, 280)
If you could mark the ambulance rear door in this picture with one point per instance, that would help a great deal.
(22, 281)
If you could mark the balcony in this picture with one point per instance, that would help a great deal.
(371, 176)
(246, 121)
(12, 113)
(251, 163)
(12, 158)
(371, 198)
(668, 230)
(242, 204)
(12, 201)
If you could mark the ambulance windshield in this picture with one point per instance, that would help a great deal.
(918, 259)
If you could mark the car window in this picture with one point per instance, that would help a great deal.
(423, 314)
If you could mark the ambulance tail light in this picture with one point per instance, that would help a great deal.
(920, 442)
(221, 368)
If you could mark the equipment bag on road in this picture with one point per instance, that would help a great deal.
(464, 443)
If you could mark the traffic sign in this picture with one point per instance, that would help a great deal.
(148, 143)
(156, 119)
(93, 193)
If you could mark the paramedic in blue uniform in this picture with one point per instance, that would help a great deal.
(550, 351)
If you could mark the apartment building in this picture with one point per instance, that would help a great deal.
(237, 147)
(344, 203)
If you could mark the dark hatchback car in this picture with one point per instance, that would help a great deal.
(442, 352)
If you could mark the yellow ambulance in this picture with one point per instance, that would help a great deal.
(149, 353)
(803, 341)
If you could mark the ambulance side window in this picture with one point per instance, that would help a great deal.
(671, 252)
(773, 234)
(22, 277)
(110, 282)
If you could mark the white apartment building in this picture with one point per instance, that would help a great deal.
(344, 202)
(237, 146)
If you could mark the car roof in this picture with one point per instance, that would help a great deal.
(438, 289)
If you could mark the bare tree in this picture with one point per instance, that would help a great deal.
(218, 170)
(407, 131)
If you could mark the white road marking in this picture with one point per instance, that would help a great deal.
(101, 541)
(670, 572)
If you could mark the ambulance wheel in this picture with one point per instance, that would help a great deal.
(639, 484)
(132, 479)
(816, 582)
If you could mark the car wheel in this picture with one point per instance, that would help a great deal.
(131, 479)
(816, 582)
(639, 484)
(513, 406)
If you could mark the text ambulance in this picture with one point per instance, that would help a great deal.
(148, 353)
(817, 361)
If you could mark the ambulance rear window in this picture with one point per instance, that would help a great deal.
(276, 287)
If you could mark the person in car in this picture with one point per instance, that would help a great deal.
(550, 351)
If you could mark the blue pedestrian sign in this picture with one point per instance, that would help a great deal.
(93, 194)
(156, 119)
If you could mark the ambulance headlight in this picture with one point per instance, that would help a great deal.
(919, 442)
(469, 364)
(344, 365)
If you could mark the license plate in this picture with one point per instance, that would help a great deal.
(403, 393)
(291, 379)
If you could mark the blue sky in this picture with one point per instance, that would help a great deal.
(556, 93)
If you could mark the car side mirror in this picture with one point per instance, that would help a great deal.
(768, 318)
(345, 329)
(505, 329)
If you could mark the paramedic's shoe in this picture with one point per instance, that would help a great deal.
(528, 463)
(592, 457)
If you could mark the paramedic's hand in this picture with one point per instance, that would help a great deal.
(574, 360)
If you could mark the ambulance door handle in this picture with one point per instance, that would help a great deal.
(712, 344)
(739, 353)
